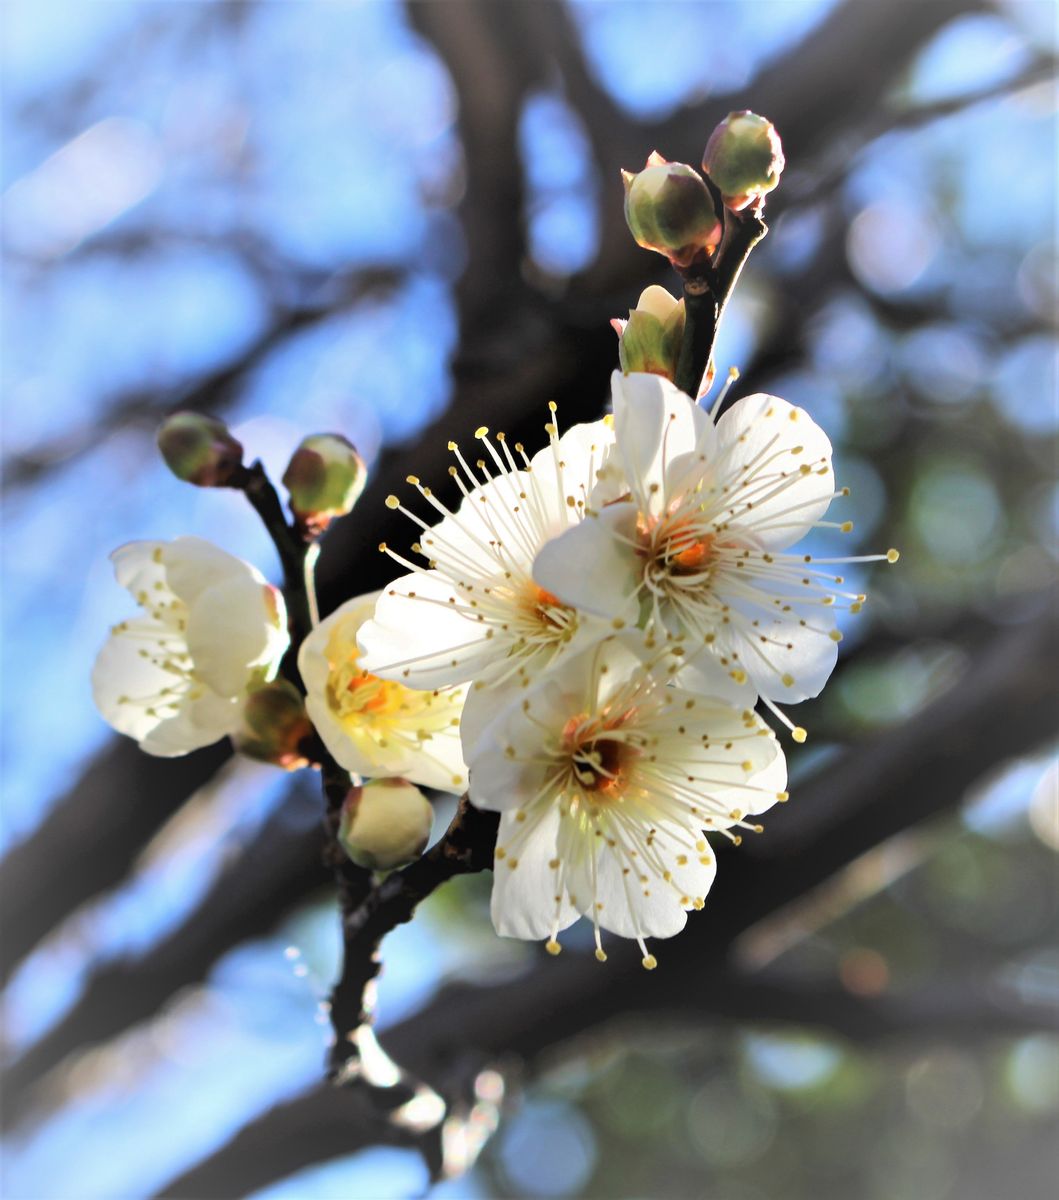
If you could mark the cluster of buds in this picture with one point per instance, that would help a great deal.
(672, 210)
(324, 477)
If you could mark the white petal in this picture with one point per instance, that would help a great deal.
(128, 691)
(138, 568)
(203, 722)
(418, 638)
(766, 426)
(524, 897)
(193, 564)
(506, 770)
(567, 471)
(796, 661)
(235, 627)
(705, 676)
(592, 566)
(613, 890)
(654, 423)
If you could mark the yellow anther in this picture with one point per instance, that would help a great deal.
(552, 946)
(600, 955)
(481, 431)
(892, 555)
(392, 502)
(835, 635)
(799, 734)
(650, 962)
(788, 680)
(846, 527)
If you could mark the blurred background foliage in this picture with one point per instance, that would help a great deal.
(397, 221)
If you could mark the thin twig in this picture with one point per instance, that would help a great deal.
(708, 284)
(467, 847)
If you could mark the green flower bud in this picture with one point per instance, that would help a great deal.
(385, 824)
(325, 478)
(650, 339)
(274, 726)
(669, 209)
(744, 158)
(199, 449)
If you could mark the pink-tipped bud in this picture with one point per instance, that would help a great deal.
(669, 209)
(385, 824)
(325, 478)
(199, 449)
(744, 158)
(275, 725)
(650, 340)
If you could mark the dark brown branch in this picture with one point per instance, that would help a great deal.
(466, 847)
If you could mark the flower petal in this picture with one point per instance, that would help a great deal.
(235, 627)
(654, 423)
(765, 429)
(420, 636)
(525, 883)
(592, 565)
(192, 565)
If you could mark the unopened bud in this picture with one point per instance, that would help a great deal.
(650, 340)
(199, 449)
(325, 478)
(744, 158)
(669, 209)
(385, 824)
(274, 726)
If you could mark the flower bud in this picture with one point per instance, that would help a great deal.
(325, 478)
(274, 726)
(199, 449)
(744, 158)
(650, 340)
(669, 209)
(385, 824)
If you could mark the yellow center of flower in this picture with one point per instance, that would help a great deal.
(357, 696)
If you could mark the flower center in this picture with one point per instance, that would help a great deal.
(600, 764)
(545, 610)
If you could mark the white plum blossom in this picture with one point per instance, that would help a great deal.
(377, 727)
(607, 778)
(472, 611)
(175, 676)
(693, 522)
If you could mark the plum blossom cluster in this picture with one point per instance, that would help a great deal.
(615, 606)
(581, 639)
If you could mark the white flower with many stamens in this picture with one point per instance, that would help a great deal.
(692, 521)
(174, 677)
(607, 778)
(373, 726)
(473, 612)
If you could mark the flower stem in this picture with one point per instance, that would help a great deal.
(296, 555)
(708, 284)
(466, 847)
